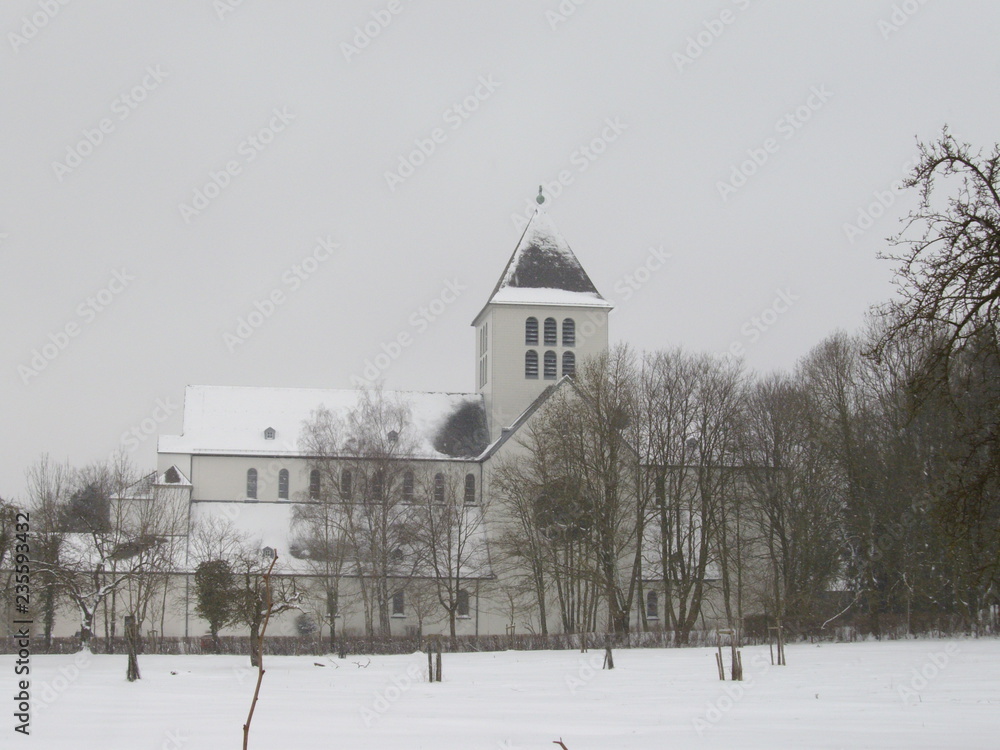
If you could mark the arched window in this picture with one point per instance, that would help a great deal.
(314, 484)
(346, 484)
(439, 487)
(463, 603)
(550, 365)
(470, 488)
(283, 484)
(531, 332)
(569, 363)
(550, 332)
(569, 332)
(377, 486)
(398, 604)
(652, 605)
(659, 491)
(531, 364)
(408, 487)
(252, 484)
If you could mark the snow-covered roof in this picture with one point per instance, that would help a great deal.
(231, 420)
(543, 270)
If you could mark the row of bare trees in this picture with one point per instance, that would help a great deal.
(830, 494)
(396, 525)
(100, 545)
(864, 485)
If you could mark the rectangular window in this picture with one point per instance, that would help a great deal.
(463, 603)
(398, 604)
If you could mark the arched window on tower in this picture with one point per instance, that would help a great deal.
(550, 331)
(569, 363)
(252, 484)
(283, 484)
(314, 484)
(470, 488)
(531, 364)
(569, 332)
(550, 366)
(531, 332)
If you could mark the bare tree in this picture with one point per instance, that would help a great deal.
(450, 535)
(365, 457)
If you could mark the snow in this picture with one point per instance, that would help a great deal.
(543, 270)
(862, 695)
(512, 295)
(232, 419)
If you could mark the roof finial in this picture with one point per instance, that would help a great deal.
(540, 199)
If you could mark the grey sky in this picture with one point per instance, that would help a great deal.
(146, 295)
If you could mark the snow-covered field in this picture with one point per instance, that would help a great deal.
(903, 694)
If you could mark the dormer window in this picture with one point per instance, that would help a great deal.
(267, 553)
(393, 436)
(269, 433)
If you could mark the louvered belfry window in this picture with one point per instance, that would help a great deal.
(550, 365)
(550, 331)
(531, 332)
(531, 364)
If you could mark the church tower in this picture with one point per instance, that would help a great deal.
(544, 316)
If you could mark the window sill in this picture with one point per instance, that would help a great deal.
(398, 617)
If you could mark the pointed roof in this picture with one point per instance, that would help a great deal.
(543, 270)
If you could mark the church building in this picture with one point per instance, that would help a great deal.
(241, 458)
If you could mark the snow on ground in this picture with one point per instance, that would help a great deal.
(902, 694)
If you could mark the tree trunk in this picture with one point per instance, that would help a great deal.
(255, 644)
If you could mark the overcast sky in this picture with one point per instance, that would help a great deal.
(265, 193)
